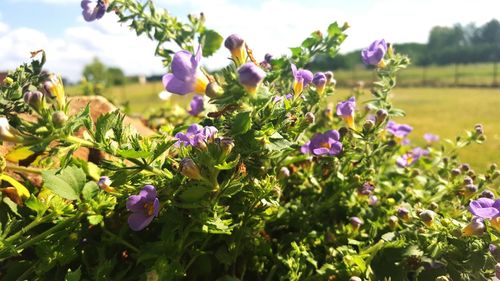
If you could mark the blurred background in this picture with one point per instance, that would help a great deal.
(452, 84)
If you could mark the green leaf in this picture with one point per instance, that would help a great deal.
(241, 123)
(95, 219)
(334, 29)
(12, 205)
(211, 42)
(89, 190)
(228, 165)
(73, 275)
(194, 193)
(130, 153)
(34, 204)
(296, 51)
(68, 184)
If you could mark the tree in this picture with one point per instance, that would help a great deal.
(95, 72)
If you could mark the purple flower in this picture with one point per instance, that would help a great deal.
(345, 109)
(372, 200)
(356, 222)
(366, 188)
(398, 130)
(475, 227)
(431, 137)
(487, 194)
(104, 183)
(411, 157)
(196, 105)
(321, 144)
(93, 11)
(302, 78)
(236, 45)
(250, 76)
(144, 208)
(319, 80)
(277, 99)
(374, 54)
(485, 208)
(196, 136)
(186, 76)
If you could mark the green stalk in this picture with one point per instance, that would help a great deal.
(23, 169)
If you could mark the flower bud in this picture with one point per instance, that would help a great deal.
(442, 278)
(310, 118)
(189, 169)
(393, 222)
(34, 99)
(493, 167)
(250, 76)
(329, 77)
(455, 172)
(213, 90)
(487, 194)
(433, 206)
(7, 133)
(495, 252)
(427, 217)
(356, 223)
(372, 200)
(467, 180)
(475, 227)
(236, 45)
(470, 189)
(403, 213)
(368, 126)
(381, 116)
(104, 183)
(59, 118)
(479, 129)
(226, 146)
(465, 167)
(366, 188)
(355, 278)
(284, 172)
(497, 270)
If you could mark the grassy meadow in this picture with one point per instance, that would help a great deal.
(446, 112)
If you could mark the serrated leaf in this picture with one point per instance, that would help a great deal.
(89, 190)
(211, 42)
(242, 122)
(334, 29)
(228, 165)
(34, 204)
(68, 184)
(12, 205)
(130, 153)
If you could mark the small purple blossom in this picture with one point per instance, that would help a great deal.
(144, 208)
(186, 76)
(372, 200)
(321, 144)
(428, 137)
(366, 188)
(345, 109)
(94, 11)
(277, 99)
(374, 54)
(475, 227)
(302, 78)
(196, 105)
(485, 208)
(487, 194)
(236, 45)
(398, 130)
(196, 136)
(319, 80)
(250, 76)
(409, 158)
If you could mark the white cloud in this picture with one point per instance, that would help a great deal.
(272, 26)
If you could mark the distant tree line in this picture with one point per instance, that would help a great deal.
(459, 44)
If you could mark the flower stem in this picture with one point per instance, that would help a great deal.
(23, 169)
(121, 240)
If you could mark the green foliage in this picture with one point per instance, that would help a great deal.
(236, 199)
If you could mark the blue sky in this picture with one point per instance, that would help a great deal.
(267, 25)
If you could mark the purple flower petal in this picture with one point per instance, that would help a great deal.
(135, 203)
(139, 221)
(176, 86)
(148, 192)
(196, 105)
(483, 207)
(184, 65)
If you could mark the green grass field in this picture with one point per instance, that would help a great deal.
(443, 111)
(461, 75)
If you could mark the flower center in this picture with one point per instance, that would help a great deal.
(149, 208)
